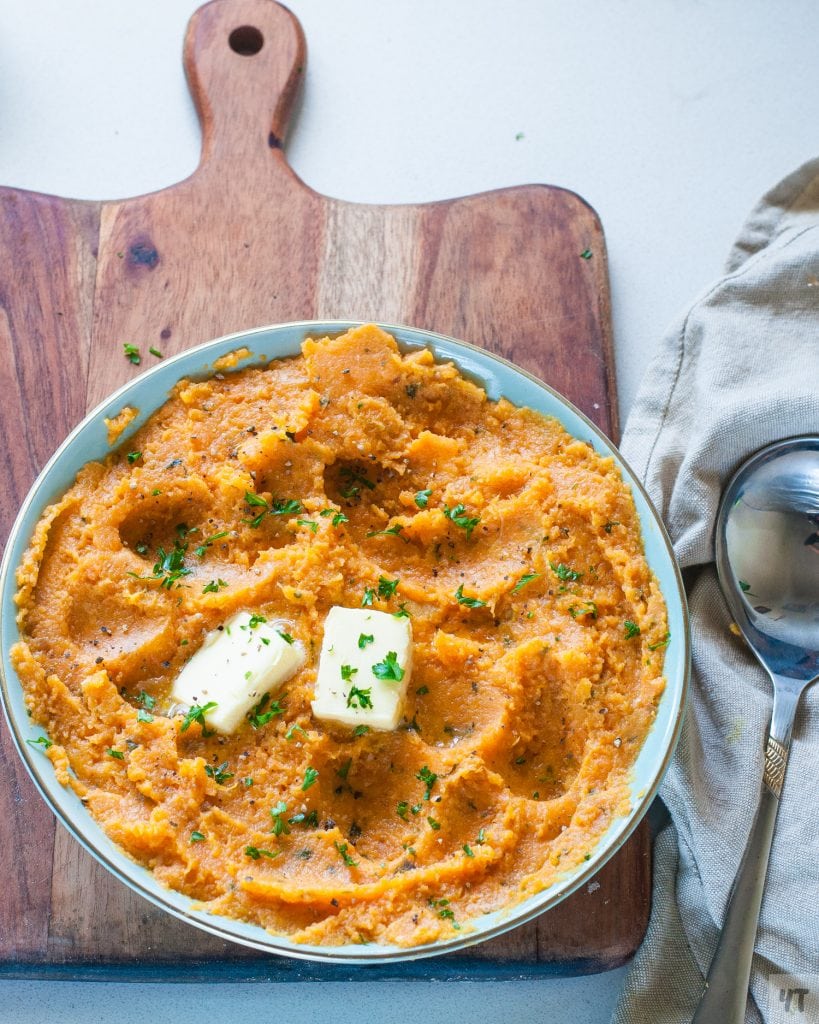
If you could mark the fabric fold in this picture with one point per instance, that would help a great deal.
(740, 371)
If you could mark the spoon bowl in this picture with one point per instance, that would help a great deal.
(767, 552)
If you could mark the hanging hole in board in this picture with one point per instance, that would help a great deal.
(246, 40)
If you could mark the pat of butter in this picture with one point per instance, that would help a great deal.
(235, 667)
(364, 668)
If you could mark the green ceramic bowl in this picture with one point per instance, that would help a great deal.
(500, 379)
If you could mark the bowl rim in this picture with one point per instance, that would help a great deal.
(507, 917)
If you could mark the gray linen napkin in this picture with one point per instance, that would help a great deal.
(739, 371)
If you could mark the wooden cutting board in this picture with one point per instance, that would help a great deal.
(241, 243)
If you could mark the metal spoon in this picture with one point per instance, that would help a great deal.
(767, 553)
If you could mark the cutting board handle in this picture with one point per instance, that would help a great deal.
(244, 60)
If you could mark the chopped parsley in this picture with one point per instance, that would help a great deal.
(155, 352)
(310, 776)
(197, 837)
(255, 620)
(146, 700)
(206, 543)
(308, 522)
(481, 836)
(631, 628)
(338, 517)
(445, 912)
(564, 573)
(387, 588)
(280, 826)
(144, 716)
(43, 742)
(586, 254)
(288, 639)
(433, 824)
(282, 507)
(255, 853)
(468, 850)
(422, 498)
(364, 639)
(264, 711)
(342, 849)
(608, 527)
(347, 672)
(291, 732)
(361, 730)
(457, 516)
(525, 578)
(344, 770)
(743, 586)
(118, 754)
(587, 608)
(131, 353)
(401, 809)
(660, 643)
(133, 457)
(429, 778)
(354, 478)
(220, 774)
(169, 567)
(468, 602)
(422, 690)
(359, 698)
(197, 714)
(214, 586)
(285, 507)
(389, 668)
(393, 531)
(402, 612)
(368, 598)
(309, 820)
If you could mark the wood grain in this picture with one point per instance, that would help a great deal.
(244, 242)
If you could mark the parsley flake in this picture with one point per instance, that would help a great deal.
(264, 711)
(422, 498)
(43, 742)
(631, 628)
(255, 853)
(564, 573)
(387, 588)
(457, 516)
(342, 849)
(133, 457)
(429, 778)
(525, 578)
(364, 639)
(197, 714)
(389, 668)
(310, 776)
(468, 602)
(214, 586)
(280, 826)
(359, 698)
(220, 774)
(131, 353)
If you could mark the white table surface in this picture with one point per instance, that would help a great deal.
(670, 117)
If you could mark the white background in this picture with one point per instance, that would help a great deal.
(670, 117)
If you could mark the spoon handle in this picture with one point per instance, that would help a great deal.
(726, 987)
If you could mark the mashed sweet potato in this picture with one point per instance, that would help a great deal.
(539, 636)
